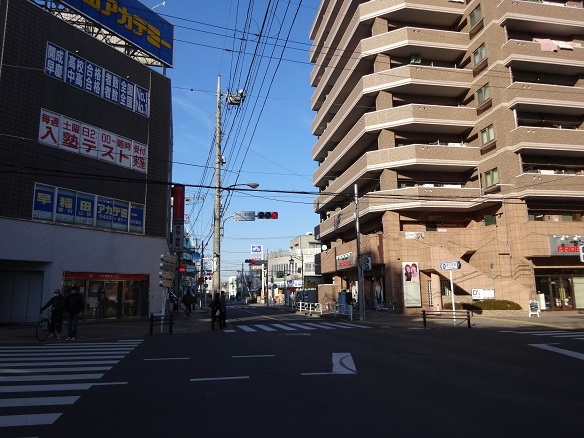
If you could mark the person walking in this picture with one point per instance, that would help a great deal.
(215, 310)
(74, 306)
(223, 314)
(188, 302)
(56, 305)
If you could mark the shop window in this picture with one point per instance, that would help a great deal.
(491, 177)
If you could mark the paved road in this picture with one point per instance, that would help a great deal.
(275, 373)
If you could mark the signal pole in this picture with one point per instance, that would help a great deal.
(217, 206)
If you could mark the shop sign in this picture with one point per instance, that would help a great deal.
(345, 261)
(483, 294)
(565, 245)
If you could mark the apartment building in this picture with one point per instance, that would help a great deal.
(460, 124)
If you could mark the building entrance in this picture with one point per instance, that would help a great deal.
(560, 289)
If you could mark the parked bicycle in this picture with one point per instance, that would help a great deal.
(391, 306)
(43, 326)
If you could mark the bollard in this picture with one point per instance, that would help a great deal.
(424, 317)
(170, 324)
(468, 318)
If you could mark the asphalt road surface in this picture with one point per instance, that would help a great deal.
(273, 374)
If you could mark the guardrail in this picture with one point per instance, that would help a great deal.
(161, 320)
(344, 309)
(447, 314)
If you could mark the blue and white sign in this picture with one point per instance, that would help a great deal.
(257, 251)
(132, 21)
(449, 266)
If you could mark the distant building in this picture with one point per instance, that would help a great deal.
(462, 125)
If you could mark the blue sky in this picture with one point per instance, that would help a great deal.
(266, 140)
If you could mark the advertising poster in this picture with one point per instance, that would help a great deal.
(411, 284)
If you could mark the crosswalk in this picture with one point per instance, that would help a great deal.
(557, 334)
(292, 327)
(28, 374)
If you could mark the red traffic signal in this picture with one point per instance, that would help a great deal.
(250, 261)
(267, 215)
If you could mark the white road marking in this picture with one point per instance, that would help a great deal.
(246, 328)
(352, 325)
(318, 326)
(44, 369)
(40, 359)
(43, 388)
(37, 401)
(255, 355)
(301, 326)
(49, 377)
(169, 358)
(336, 325)
(559, 350)
(284, 327)
(36, 364)
(28, 420)
(203, 379)
(342, 364)
(265, 327)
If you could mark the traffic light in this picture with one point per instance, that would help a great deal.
(250, 261)
(267, 215)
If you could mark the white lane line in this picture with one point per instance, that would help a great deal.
(573, 335)
(49, 377)
(549, 334)
(228, 331)
(265, 327)
(283, 327)
(169, 358)
(37, 401)
(254, 355)
(558, 350)
(531, 333)
(302, 326)
(206, 379)
(59, 354)
(245, 328)
(12, 371)
(109, 383)
(28, 420)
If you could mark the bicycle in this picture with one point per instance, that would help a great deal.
(395, 306)
(42, 328)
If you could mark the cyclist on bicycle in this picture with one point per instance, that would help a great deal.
(56, 305)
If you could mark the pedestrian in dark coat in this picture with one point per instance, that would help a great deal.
(74, 306)
(223, 315)
(215, 310)
(56, 305)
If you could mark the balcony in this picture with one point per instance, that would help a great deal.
(413, 12)
(435, 119)
(543, 141)
(549, 185)
(410, 199)
(528, 56)
(409, 79)
(541, 18)
(429, 158)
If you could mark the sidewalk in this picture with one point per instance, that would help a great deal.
(200, 321)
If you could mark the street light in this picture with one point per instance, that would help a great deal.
(301, 264)
(159, 4)
(217, 226)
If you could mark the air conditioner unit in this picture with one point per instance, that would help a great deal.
(415, 58)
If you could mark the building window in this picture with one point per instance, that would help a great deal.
(479, 54)
(475, 16)
(487, 135)
(483, 93)
(491, 177)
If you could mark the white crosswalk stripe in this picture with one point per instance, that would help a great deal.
(61, 367)
(558, 334)
(293, 326)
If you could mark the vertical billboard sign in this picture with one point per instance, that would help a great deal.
(132, 21)
(257, 252)
(411, 284)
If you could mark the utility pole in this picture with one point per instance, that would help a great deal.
(217, 206)
(360, 291)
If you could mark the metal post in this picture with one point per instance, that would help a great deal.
(360, 291)
(217, 208)
(452, 297)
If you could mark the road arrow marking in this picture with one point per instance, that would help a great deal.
(342, 364)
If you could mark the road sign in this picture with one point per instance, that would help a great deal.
(165, 283)
(449, 266)
(244, 216)
(168, 258)
(167, 275)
